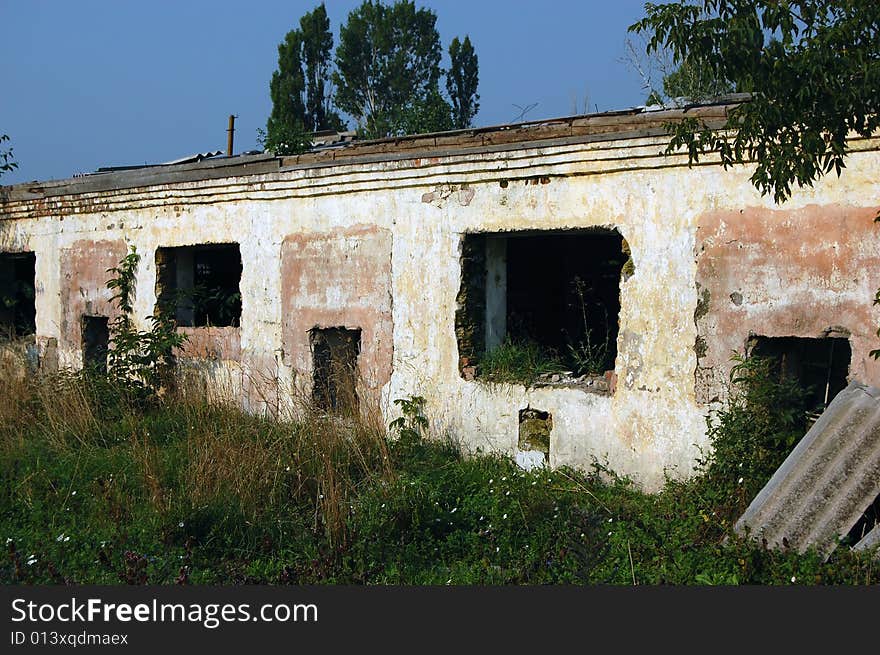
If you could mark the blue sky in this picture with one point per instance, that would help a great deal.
(98, 83)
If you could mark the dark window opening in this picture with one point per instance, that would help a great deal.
(95, 342)
(18, 311)
(334, 360)
(200, 284)
(819, 366)
(552, 295)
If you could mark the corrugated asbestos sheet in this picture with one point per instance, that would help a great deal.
(827, 482)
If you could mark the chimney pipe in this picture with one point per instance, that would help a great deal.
(229, 135)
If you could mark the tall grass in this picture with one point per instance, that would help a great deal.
(189, 452)
(98, 487)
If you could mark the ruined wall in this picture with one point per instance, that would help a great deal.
(805, 272)
(83, 290)
(375, 245)
(339, 279)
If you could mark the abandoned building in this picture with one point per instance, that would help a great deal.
(369, 271)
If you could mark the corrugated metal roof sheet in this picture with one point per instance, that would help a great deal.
(827, 482)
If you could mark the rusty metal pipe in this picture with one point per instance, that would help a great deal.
(229, 135)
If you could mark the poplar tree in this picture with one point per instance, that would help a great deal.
(388, 70)
(462, 81)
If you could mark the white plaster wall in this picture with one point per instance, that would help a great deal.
(651, 427)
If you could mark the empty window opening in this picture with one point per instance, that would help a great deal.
(18, 310)
(335, 372)
(819, 366)
(552, 296)
(95, 342)
(200, 284)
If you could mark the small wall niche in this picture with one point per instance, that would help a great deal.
(533, 444)
(18, 311)
(335, 369)
(95, 343)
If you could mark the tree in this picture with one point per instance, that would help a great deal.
(301, 103)
(430, 113)
(6, 162)
(286, 132)
(461, 82)
(694, 82)
(812, 68)
(388, 70)
(317, 47)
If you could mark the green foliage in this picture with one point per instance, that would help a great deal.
(6, 162)
(388, 71)
(388, 59)
(412, 423)
(518, 362)
(427, 114)
(812, 67)
(286, 133)
(301, 103)
(180, 492)
(462, 81)
(140, 361)
(765, 419)
(316, 56)
(694, 81)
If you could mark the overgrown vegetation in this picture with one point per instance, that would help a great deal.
(101, 487)
(519, 362)
(812, 67)
(141, 362)
(97, 489)
(7, 163)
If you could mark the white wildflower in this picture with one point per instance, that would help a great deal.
(740, 481)
(454, 510)
(793, 579)
(180, 525)
(504, 517)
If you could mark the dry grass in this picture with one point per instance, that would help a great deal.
(307, 456)
(222, 455)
